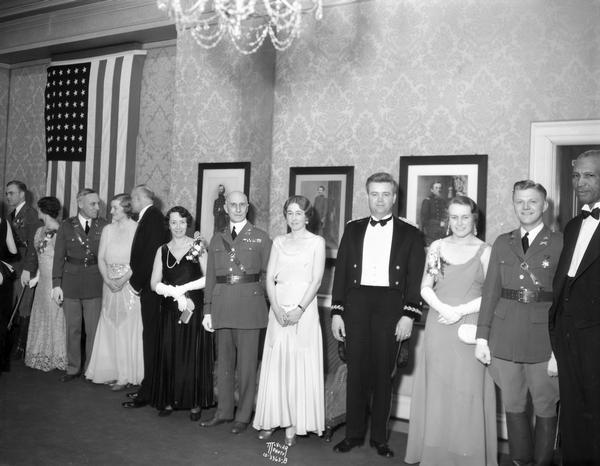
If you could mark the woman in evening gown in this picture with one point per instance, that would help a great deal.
(185, 357)
(453, 406)
(117, 357)
(46, 340)
(291, 390)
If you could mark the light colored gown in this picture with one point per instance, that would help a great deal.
(291, 389)
(46, 340)
(118, 352)
(453, 406)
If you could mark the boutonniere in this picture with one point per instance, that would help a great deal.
(546, 262)
(18, 222)
(197, 249)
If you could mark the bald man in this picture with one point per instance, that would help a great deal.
(235, 306)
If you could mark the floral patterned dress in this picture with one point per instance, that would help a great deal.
(46, 341)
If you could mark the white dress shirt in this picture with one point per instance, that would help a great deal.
(588, 227)
(377, 246)
(532, 233)
(83, 220)
(18, 208)
(238, 226)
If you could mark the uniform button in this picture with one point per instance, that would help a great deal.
(231, 259)
(230, 269)
(232, 249)
(521, 277)
(397, 268)
(354, 265)
(354, 281)
(397, 283)
(566, 299)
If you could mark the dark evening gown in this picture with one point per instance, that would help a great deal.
(185, 356)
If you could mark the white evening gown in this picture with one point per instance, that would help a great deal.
(118, 352)
(291, 390)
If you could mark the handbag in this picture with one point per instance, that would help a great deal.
(467, 330)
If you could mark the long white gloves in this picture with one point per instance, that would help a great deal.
(165, 290)
(449, 313)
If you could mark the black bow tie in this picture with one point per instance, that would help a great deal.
(381, 222)
(594, 213)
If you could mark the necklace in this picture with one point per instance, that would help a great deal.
(187, 245)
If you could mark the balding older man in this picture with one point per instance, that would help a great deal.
(235, 306)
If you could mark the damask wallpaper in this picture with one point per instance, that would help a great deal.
(223, 113)
(374, 81)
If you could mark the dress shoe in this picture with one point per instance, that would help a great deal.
(215, 421)
(346, 445)
(382, 449)
(68, 377)
(165, 412)
(265, 434)
(290, 441)
(117, 388)
(195, 416)
(132, 395)
(239, 427)
(134, 404)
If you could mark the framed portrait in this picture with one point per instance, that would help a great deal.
(329, 190)
(428, 182)
(215, 181)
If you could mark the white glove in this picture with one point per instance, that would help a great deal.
(448, 314)
(207, 323)
(552, 366)
(482, 351)
(180, 290)
(165, 290)
(181, 303)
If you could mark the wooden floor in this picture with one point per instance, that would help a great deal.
(46, 422)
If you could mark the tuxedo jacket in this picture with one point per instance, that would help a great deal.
(583, 301)
(24, 226)
(242, 305)
(518, 331)
(77, 279)
(151, 233)
(407, 260)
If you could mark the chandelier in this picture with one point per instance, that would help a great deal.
(246, 23)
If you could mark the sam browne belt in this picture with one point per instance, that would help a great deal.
(86, 261)
(527, 296)
(233, 279)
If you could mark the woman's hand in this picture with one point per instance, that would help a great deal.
(280, 315)
(448, 315)
(113, 285)
(294, 315)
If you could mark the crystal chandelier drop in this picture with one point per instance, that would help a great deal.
(246, 23)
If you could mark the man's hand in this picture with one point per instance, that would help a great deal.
(25, 277)
(338, 328)
(207, 323)
(57, 295)
(482, 351)
(552, 366)
(404, 328)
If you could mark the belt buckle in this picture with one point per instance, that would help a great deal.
(526, 296)
(232, 279)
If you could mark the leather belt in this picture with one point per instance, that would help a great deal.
(527, 296)
(233, 279)
(86, 261)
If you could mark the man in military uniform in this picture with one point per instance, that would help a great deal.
(24, 222)
(433, 214)
(235, 306)
(76, 280)
(512, 331)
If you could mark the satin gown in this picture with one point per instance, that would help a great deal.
(291, 387)
(185, 357)
(453, 405)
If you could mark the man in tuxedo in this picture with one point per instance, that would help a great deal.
(235, 306)
(375, 299)
(512, 334)
(575, 320)
(24, 222)
(151, 233)
(76, 279)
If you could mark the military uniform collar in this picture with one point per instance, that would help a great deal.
(532, 233)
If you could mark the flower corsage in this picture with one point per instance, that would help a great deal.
(197, 249)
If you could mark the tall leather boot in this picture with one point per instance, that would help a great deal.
(545, 433)
(520, 442)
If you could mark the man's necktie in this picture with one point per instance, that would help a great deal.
(87, 227)
(525, 242)
(381, 222)
(594, 213)
(12, 215)
(233, 232)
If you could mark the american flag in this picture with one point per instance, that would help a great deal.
(92, 117)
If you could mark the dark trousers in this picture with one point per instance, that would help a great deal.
(577, 352)
(370, 317)
(237, 353)
(150, 307)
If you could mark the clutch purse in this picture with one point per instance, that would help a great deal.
(467, 330)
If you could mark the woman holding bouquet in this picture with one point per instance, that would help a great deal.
(185, 356)
(453, 406)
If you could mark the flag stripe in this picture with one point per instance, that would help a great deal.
(110, 109)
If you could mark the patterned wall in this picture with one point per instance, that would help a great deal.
(154, 142)
(4, 86)
(376, 80)
(223, 113)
